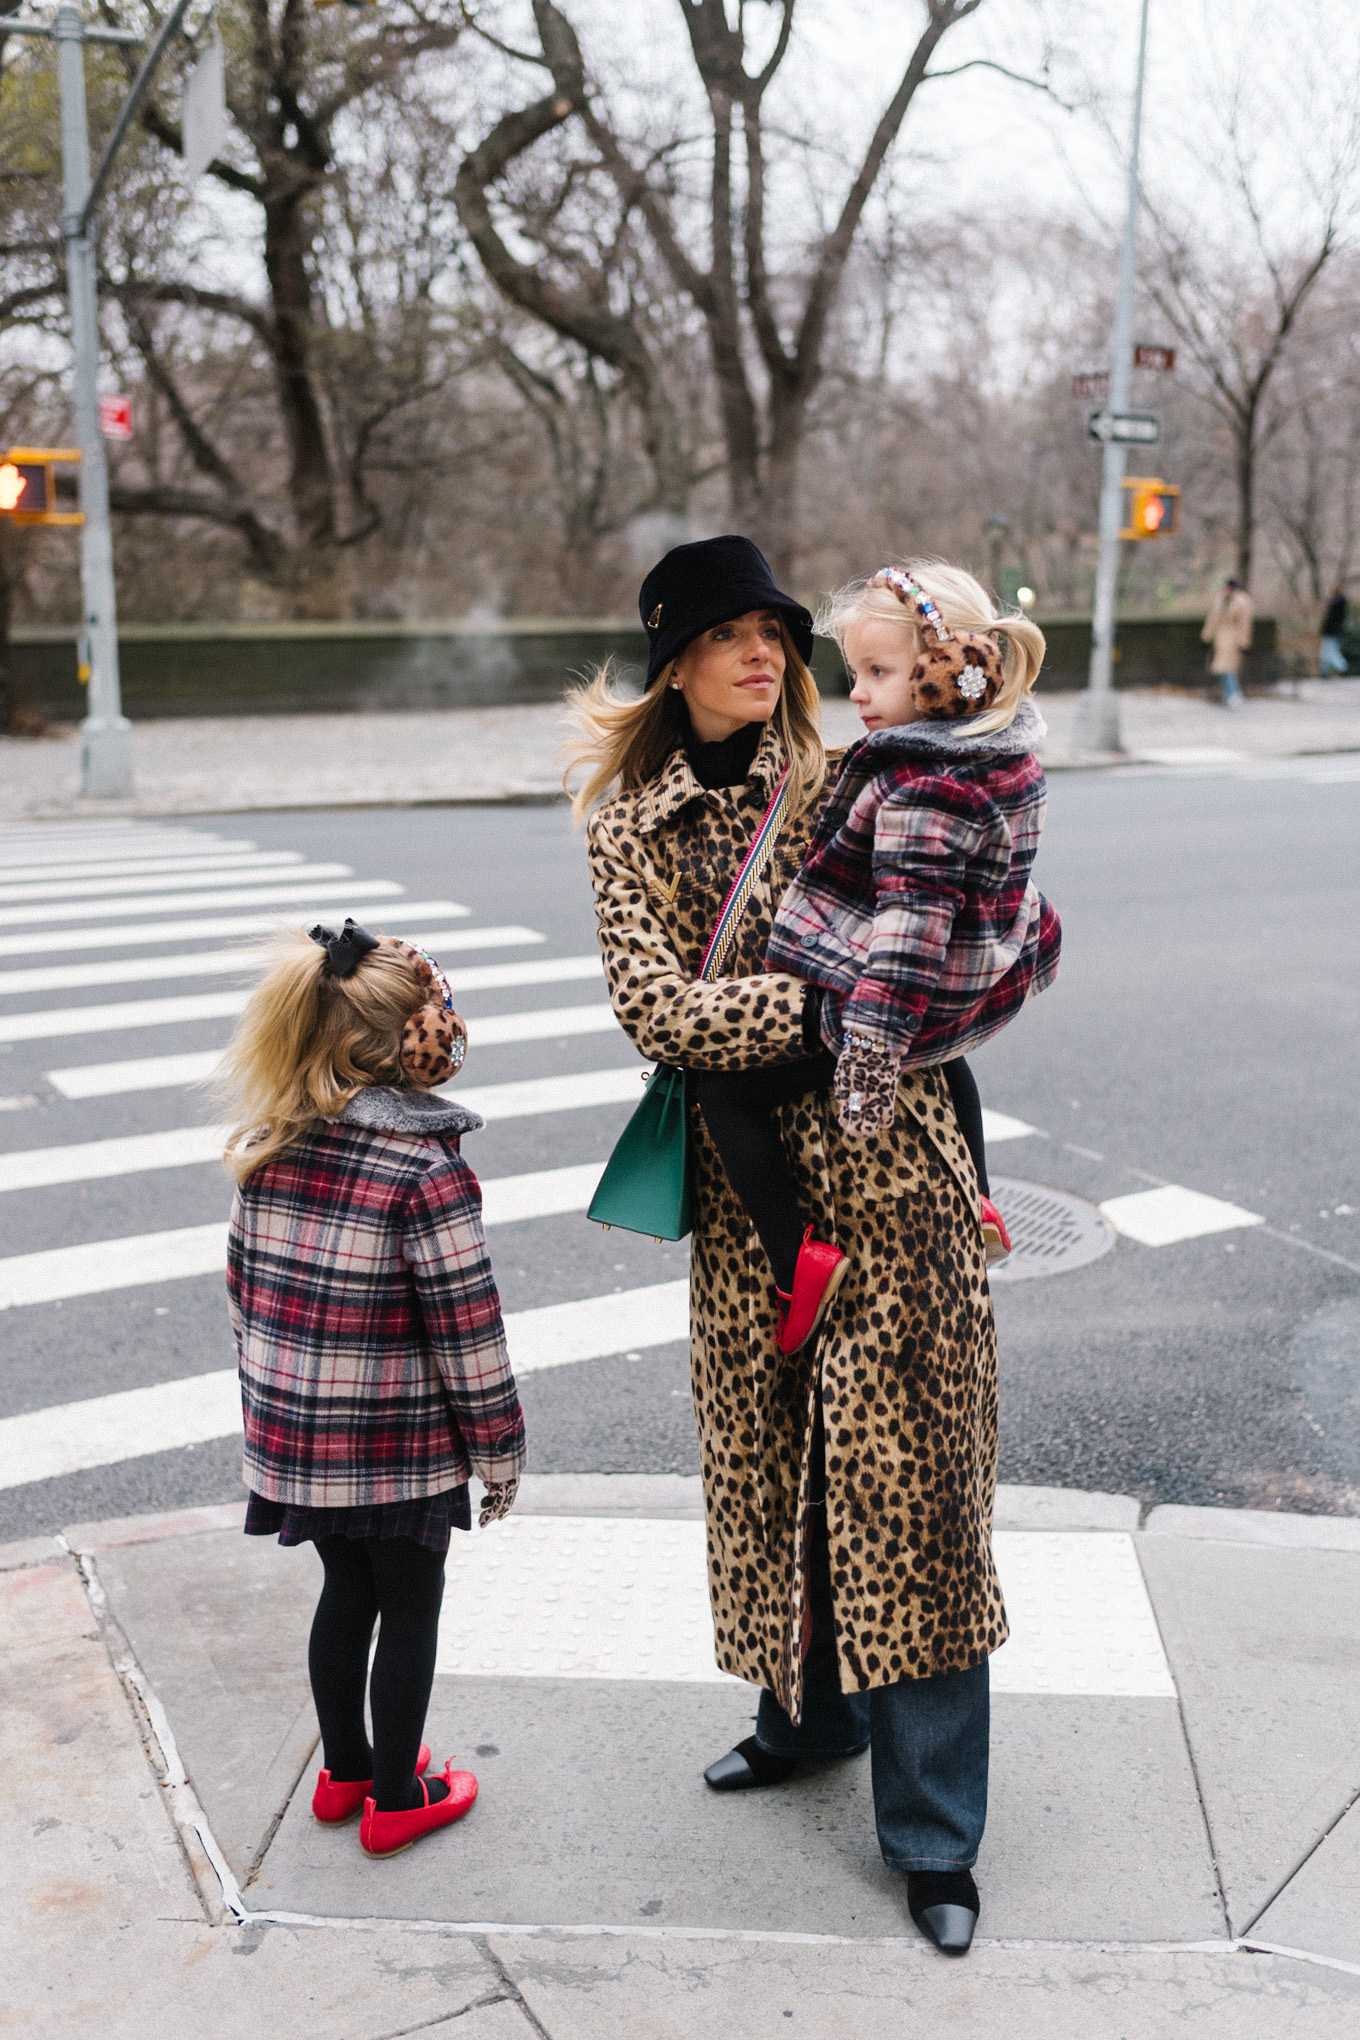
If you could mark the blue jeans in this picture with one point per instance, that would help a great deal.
(1330, 659)
(928, 1739)
(1228, 688)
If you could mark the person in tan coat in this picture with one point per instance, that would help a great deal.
(848, 1488)
(1228, 629)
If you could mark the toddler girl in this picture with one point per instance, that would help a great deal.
(914, 914)
(374, 1375)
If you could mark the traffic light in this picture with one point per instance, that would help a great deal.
(1152, 508)
(30, 488)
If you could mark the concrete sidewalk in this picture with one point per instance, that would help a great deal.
(1174, 1843)
(235, 764)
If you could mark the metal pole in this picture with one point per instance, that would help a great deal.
(1097, 724)
(106, 755)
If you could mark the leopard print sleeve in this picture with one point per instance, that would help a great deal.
(671, 1017)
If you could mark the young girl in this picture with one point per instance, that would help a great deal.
(374, 1375)
(914, 914)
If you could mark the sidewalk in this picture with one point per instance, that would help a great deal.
(235, 764)
(1174, 1843)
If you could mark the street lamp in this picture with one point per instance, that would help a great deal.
(1097, 722)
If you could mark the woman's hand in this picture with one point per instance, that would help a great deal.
(497, 1502)
(866, 1086)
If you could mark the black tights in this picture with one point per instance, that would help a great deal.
(403, 1583)
(739, 1108)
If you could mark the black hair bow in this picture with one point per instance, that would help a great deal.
(345, 951)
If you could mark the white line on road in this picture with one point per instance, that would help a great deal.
(94, 910)
(223, 1005)
(996, 1126)
(164, 1072)
(400, 916)
(150, 862)
(239, 872)
(1158, 1218)
(128, 970)
(106, 1429)
(553, 1094)
(96, 1265)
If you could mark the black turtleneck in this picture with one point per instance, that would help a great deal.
(726, 763)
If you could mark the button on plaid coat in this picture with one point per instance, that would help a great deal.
(368, 1328)
(915, 910)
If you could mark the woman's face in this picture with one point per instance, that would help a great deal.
(732, 674)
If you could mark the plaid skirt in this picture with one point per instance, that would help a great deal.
(426, 1520)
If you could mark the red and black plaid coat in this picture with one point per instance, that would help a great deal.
(368, 1328)
(915, 910)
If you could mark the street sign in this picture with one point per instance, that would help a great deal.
(204, 113)
(1095, 383)
(1124, 428)
(1162, 358)
(115, 417)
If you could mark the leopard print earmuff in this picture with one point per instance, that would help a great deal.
(960, 673)
(434, 1039)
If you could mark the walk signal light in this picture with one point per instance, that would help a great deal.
(1152, 508)
(30, 489)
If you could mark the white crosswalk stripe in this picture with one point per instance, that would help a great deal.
(399, 916)
(237, 870)
(122, 867)
(243, 895)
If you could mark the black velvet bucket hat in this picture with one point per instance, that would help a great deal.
(694, 587)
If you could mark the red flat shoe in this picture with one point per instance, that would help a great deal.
(337, 1800)
(387, 1834)
(816, 1278)
(996, 1241)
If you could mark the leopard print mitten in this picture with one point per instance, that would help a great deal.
(497, 1502)
(866, 1086)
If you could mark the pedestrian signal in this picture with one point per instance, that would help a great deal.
(30, 489)
(1152, 508)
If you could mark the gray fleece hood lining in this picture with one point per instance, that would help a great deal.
(385, 1109)
(957, 741)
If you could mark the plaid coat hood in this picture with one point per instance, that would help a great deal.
(915, 910)
(368, 1328)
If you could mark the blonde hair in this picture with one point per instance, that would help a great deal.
(627, 741)
(308, 1042)
(965, 605)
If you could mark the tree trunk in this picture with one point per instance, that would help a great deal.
(1246, 492)
(311, 479)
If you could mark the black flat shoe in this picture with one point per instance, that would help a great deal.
(945, 1906)
(748, 1766)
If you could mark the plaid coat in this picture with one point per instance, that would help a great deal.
(368, 1329)
(915, 910)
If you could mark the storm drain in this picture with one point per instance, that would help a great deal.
(1051, 1233)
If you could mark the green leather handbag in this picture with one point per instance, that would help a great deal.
(645, 1185)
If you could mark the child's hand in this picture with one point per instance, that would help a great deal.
(866, 1087)
(497, 1502)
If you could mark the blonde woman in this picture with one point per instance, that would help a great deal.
(848, 1488)
(374, 1375)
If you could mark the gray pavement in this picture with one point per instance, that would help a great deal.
(207, 765)
(1173, 1861)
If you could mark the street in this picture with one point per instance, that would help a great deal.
(1201, 1035)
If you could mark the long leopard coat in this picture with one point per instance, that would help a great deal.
(906, 1362)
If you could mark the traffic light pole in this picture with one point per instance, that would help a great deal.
(1097, 725)
(106, 749)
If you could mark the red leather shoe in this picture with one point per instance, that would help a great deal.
(337, 1800)
(817, 1276)
(387, 1834)
(996, 1241)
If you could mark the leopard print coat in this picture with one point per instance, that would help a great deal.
(906, 1363)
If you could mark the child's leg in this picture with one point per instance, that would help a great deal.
(968, 1112)
(739, 1108)
(410, 1587)
(337, 1656)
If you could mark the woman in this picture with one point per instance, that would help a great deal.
(848, 1489)
(1228, 628)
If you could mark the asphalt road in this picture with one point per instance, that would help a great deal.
(1203, 1033)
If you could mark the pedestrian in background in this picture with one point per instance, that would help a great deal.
(1228, 629)
(1330, 656)
(848, 1489)
(374, 1375)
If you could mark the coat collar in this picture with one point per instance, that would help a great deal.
(385, 1109)
(675, 785)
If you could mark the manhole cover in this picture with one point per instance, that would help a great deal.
(1051, 1233)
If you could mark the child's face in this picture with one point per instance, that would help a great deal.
(880, 656)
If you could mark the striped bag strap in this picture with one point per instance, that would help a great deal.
(734, 906)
